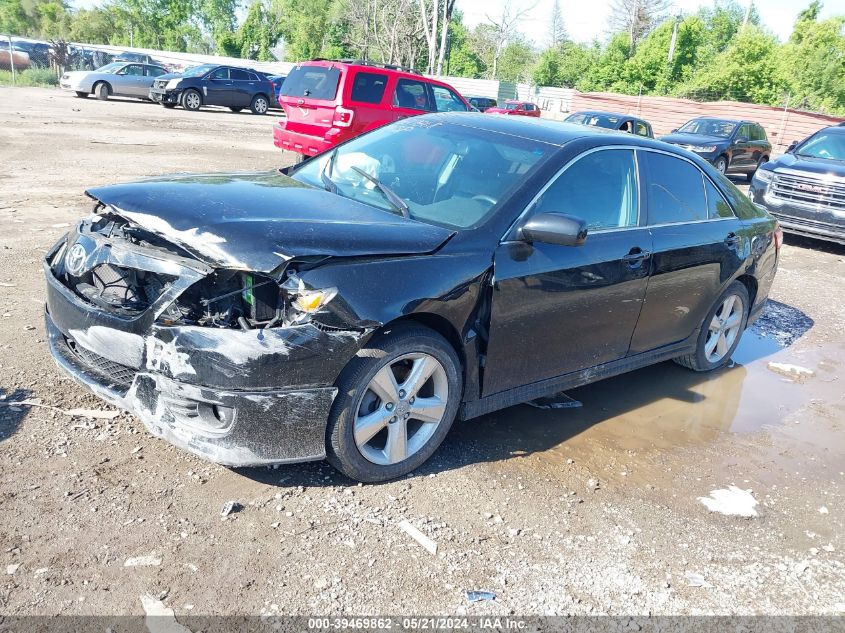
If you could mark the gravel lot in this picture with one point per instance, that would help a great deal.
(582, 510)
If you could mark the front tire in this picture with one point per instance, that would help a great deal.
(191, 100)
(81, 95)
(102, 91)
(396, 401)
(721, 331)
(169, 106)
(721, 164)
(234, 109)
(259, 104)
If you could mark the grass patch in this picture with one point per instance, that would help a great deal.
(30, 77)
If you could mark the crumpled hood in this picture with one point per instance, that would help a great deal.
(693, 139)
(170, 76)
(256, 222)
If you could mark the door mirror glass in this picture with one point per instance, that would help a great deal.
(740, 139)
(555, 228)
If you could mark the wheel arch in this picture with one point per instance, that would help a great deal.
(432, 321)
(102, 81)
(750, 284)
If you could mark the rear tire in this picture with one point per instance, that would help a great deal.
(721, 331)
(102, 90)
(81, 95)
(374, 432)
(259, 104)
(191, 100)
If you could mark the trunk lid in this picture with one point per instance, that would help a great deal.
(309, 96)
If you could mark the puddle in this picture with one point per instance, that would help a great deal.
(666, 406)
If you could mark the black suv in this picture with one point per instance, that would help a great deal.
(732, 146)
(805, 188)
(211, 84)
(482, 103)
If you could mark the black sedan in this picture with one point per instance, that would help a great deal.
(805, 188)
(612, 121)
(443, 266)
(210, 84)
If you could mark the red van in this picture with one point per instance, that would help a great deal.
(329, 101)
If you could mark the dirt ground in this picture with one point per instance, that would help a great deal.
(587, 510)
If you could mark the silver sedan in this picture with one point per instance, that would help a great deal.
(119, 79)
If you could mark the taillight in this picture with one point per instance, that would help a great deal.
(342, 117)
(778, 237)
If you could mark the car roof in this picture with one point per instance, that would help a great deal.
(603, 113)
(722, 118)
(542, 130)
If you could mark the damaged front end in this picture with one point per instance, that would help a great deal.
(233, 365)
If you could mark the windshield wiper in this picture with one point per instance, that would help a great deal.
(326, 174)
(391, 196)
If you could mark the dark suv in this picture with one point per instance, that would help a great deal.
(732, 146)
(805, 188)
(212, 84)
(482, 103)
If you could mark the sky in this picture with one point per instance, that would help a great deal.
(586, 20)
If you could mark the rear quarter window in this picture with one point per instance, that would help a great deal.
(312, 82)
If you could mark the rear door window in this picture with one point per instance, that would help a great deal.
(239, 75)
(675, 190)
(446, 100)
(312, 82)
(413, 95)
(717, 206)
(368, 87)
(641, 128)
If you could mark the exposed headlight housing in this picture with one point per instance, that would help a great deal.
(703, 149)
(306, 301)
(173, 84)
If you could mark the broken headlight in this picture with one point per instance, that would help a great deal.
(236, 299)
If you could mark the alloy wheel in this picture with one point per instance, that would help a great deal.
(192, 100)
(724, 328)
(260, 105)
(401, 409)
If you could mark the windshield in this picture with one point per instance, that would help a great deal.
(709, 127)
(512, 106)
(111, 68)
(446, 174)
(198, 71)
(823, 145)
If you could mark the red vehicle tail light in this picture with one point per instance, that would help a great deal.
(778, 237)
(342, 117)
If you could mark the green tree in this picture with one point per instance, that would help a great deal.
(606, 72)
(462, 59)
(516, 61)
(564, 65)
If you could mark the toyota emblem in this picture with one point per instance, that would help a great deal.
(75, 259)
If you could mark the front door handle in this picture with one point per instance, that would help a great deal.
(636, 256)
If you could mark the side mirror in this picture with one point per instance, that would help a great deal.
(740, 139)
(554, 228)
(673, 131)
(791, 147)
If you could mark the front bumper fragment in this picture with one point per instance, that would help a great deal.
(164, 96)
(233, 428)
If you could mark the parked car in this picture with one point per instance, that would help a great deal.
(731, 146)
(118, 79)
(39, 52)
(521, 108)
(482, 103)
(141, 58)
(213, 84)
(17, 58)
(805, 188)
(327, 102)
(612, 121)
(347, 307)
(277, 80)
